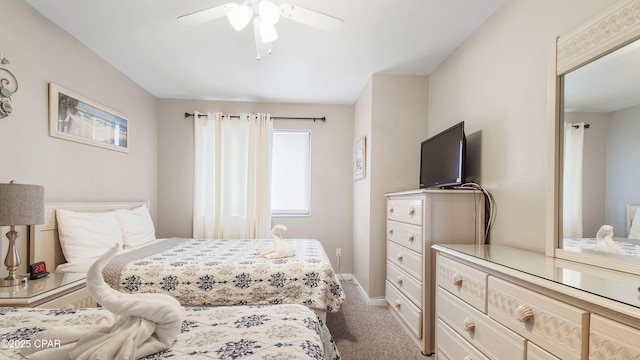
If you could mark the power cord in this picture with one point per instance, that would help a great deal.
(490, 207)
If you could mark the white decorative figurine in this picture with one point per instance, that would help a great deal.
(605, 240)
(280, 248)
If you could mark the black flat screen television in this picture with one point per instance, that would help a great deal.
(442, 159)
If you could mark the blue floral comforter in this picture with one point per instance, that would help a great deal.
(240, 332)
(228, 272)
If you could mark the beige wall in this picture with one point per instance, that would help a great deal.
(392, 112)
(362, 191)
(331, 179)
(496, 81)
(623, 172)
(40, 52)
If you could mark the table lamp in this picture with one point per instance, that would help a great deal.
(20, 204)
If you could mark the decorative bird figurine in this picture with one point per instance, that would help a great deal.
(280, 248)
(605, 240)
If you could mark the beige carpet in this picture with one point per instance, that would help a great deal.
(365, 332)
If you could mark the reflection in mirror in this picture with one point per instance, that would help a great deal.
(601, 156)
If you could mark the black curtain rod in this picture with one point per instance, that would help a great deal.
(575, 126)
(324, 118)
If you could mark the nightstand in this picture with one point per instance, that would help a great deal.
(57, 290)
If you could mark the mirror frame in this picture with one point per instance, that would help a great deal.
(611, 29)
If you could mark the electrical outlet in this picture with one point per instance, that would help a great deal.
(338, 252)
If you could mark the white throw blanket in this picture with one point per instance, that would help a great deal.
(280, 248)
(605, 240)
(138, 325)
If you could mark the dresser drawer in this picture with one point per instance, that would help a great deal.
(493, 339)
(452, 346)
(407, 284)
(408, 260)
(534, 352)
(557, 327)
(463, 281)
(405, 210)
(405, 309)
(409, 236)
(609, 339)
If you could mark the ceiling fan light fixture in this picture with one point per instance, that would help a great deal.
(262, 48)
(239, 16)
(268, 12)
(267, 31)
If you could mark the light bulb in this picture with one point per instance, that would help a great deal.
(268, 12)
(239, 16)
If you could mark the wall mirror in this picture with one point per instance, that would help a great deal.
(595, 122)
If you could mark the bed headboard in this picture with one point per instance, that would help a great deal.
(43, 239)
(631, 210)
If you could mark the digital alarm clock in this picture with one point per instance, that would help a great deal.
(38, 270)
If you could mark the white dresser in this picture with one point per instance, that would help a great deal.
(416, 220)
(497, 302)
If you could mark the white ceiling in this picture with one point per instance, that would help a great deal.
(143, 39)
(607, 84)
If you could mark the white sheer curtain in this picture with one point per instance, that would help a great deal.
(232, 176)
(572, 180)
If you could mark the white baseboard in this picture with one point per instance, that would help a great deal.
(381, 301)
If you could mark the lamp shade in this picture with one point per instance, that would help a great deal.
(239, 16)
(267, 31)
(21, 204)
(268, 12)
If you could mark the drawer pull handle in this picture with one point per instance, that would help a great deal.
(457, 280)
(412, 211)
(390, 232)
(412, 237)
(399, 256)
(398, 304)
(399, 279)
(524, 313)
(390, 210)
(469, 324)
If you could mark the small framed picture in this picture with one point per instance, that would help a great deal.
(73, 117)
(360, 158)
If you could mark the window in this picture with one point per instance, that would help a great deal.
(291, 172)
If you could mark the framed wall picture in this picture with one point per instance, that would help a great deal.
(73, 117)
(359, 158)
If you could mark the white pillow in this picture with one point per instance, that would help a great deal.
(634, 231)
(75, 267)
(137, 226)
(86, 236)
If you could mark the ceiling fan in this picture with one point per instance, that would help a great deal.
(267, 14)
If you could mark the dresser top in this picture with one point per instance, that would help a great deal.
(610, 289)
(432, 191)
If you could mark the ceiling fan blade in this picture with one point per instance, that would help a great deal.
(310, 17)
(201, 16)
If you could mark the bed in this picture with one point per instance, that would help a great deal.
(629, 246)
(197, 272)
(287, 331)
